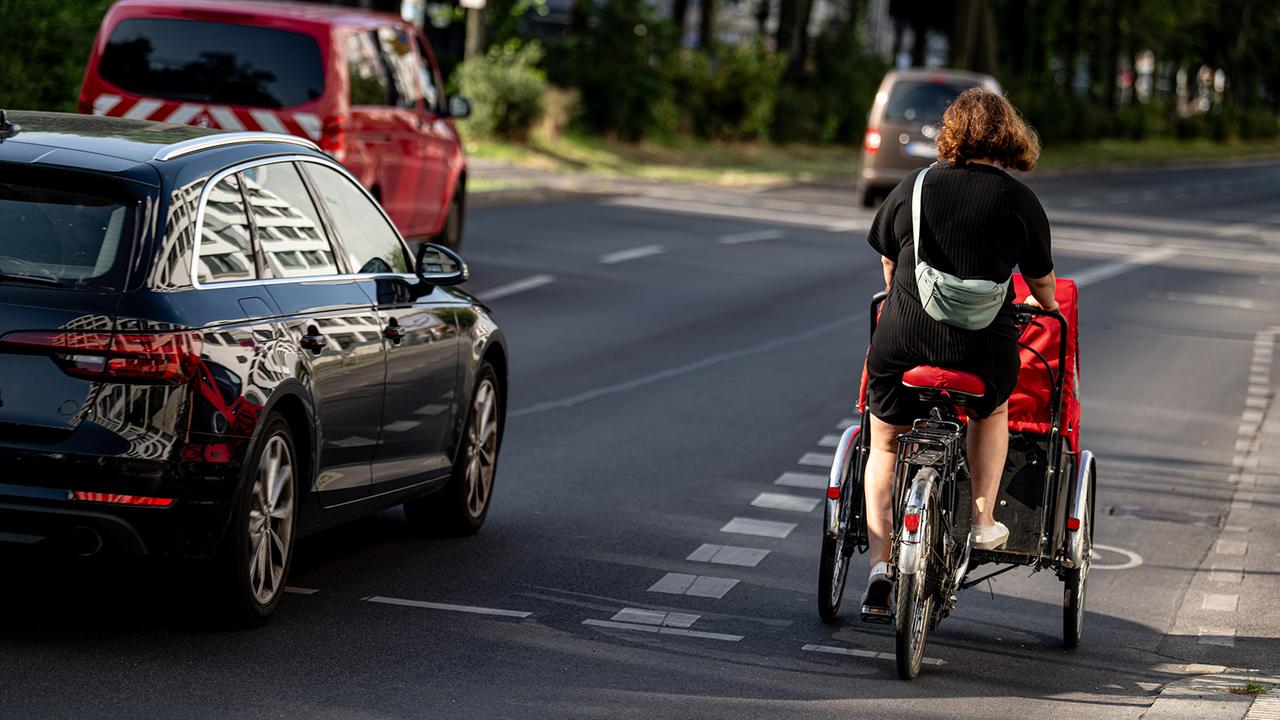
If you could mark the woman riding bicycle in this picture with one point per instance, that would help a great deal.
(976, 222)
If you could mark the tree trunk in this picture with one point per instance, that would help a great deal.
(679, 13)
(919, 29)
(762, 13)
(707, 25)
(1072, 48)
(1111, 56)
(802, 35)
(786, 22)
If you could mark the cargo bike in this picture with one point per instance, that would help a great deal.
(1046, 495)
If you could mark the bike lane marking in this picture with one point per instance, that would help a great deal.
(762, 528)
(782, 501)
(810, 481)
(447, 607)
(855, 652)
(1132, 560)
(727, 555)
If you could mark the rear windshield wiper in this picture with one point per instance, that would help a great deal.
(7, 277)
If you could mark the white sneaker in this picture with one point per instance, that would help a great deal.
(988, 537)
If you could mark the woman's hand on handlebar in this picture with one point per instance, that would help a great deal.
(1031, 301)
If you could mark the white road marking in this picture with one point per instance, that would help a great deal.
(1236, 303)
(142, 109)
(1133, 559)
(815, 459)
(300, 590)
(831, 222)
(811, 481)
(761, 528)
(1231, 547)
(855, 652)
(855, 225)
(663, 630)
(1220, 602)
(829, 441)
(655, 617)
(693, 585)
(634, 253)
(749, 237)
(846, 423)
(727, 555)
(780, 501)
(1108, 270)
(446, 606)
(1220, 636)
(519, 286)
(1079, 202)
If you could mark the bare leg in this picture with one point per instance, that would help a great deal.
(988, 447)
(879, 487)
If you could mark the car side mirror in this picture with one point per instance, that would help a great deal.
(459, 107)
(438, 265)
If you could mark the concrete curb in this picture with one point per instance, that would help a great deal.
(1208, 697)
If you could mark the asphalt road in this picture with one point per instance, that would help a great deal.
(675, 353)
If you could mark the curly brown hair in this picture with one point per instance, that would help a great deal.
(983, 125)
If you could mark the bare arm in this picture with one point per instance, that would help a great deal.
(888, 270)
(1042, 291)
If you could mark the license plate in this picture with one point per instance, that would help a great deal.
(922, 149)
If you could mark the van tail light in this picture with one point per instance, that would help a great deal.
(871, 144)
(164, 358)
(333, 138)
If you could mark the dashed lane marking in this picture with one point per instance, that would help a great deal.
(855, 652)
(727, 555)
(447, 607)
(300, 590)
(682, 632)
(750, 237)
(761, 528)
(1108, 270)
(790, 503)
(1220, 602)
(816, 459)
(829, 441)
(811, 481)
(514, 288)
(635, 253)
(693, 585)
(655, 617)
(846, 423)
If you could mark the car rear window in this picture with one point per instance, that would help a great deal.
(57, 233)
(921, 101)
(213, 62)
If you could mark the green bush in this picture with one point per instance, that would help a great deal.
(729, 96)
(506, 90)
(44, 47)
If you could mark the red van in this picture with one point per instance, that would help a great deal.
(364, 86)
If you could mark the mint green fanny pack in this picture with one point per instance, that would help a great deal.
(951, 300)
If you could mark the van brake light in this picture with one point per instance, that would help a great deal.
(166, 358)
(872, 141)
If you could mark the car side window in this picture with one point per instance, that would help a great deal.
(290, 233)
(369, 84)
(427, 79)
(371, 243)
(401, 56)
(226, 247)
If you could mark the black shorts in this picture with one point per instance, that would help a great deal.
(892, 402)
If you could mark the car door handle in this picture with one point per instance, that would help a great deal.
(393, 332)
(314, 342)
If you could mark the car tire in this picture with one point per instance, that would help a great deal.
(251, 575)
(461, 507)
(451, 235)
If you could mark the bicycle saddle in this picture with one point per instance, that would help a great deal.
(928, 377)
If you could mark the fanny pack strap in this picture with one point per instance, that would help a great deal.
(915, 212)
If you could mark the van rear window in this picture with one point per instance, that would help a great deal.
(57, 233)
(916, 101)
(213, 62)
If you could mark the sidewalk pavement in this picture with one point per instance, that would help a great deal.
(1230, 615)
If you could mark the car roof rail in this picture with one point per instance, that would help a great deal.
(200, 144)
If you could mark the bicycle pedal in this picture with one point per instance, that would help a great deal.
(877, 615)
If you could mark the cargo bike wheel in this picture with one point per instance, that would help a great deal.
(850, 535)
(917, 591)
(1076, 580)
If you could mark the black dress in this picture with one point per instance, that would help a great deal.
(977, 222)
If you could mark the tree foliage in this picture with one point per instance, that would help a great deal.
(44, 46)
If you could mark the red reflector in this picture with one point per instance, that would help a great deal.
(333, 137)
(1073, 523)
(833, 493)
(911, 521)
(123, 499)
(166, 357)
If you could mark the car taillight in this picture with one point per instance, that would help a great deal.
(162, 358)
(83, 106)
(872, 142)
(333, 138)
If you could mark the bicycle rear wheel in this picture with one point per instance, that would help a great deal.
(833, 569)
(913, 605)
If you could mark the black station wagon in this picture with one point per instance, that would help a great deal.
(214, 343)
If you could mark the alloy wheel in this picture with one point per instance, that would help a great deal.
(271, 520)
(482, 448)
